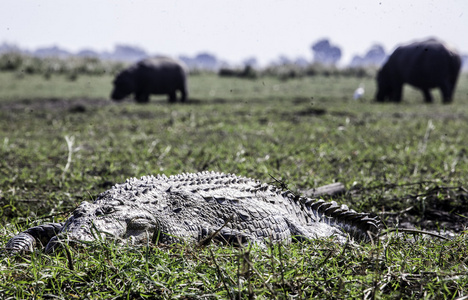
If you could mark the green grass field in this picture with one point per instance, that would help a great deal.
(63, 142)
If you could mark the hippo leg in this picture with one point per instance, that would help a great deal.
(427, 96)
(183, 95)
(142, 97)
(172, 96)
(447, 92)
(379, 99)
(396, 95)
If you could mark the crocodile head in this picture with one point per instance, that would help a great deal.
(98, 220)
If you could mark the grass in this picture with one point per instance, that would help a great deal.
(406, 163)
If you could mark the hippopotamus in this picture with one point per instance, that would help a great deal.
(158, 76)
(425, 65)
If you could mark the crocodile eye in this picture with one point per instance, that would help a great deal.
(104, 210)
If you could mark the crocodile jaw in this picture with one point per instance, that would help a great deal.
(92, 221)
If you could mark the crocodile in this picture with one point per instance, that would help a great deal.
(196, 207)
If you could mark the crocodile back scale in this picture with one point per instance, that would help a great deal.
(194, 207)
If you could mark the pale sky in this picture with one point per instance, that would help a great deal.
(232, 30)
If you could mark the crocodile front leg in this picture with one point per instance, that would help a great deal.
(28, 239)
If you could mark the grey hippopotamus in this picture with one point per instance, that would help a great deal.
(158, 76)
(425, 65)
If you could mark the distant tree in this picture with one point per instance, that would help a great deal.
(301, 61)
(186, 60)
(464, 58)
(326, 53)
(202, 61)
(206, 61)
(375, 56)
(128, 53)
(250, 62)
(87, 53)
(9, 48)
(53, 51)
(284, 60)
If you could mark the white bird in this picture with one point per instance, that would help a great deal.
(359, 92)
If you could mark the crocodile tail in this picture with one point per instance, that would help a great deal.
(29, 239)
(357, 225)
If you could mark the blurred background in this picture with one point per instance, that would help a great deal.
(215, 35)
